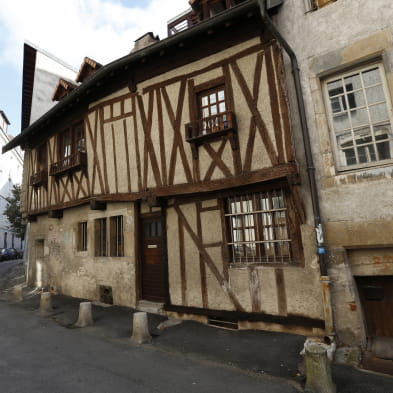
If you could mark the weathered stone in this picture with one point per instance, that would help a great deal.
(46, 303)
(140, 328)
(318, 372)
(85, 315)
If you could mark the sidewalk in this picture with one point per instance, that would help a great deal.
(256, 352)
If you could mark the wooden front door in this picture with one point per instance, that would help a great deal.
(376, 294)
(154, 275)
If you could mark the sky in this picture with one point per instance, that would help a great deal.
(70, 30)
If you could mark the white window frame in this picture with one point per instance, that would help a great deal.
(337, 151)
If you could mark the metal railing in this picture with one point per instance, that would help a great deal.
(70, 163)
(211, 125)
(183, 22)
(39, 178)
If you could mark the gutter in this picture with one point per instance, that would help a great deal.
(305, 134)
(324, 278)
(126, 63)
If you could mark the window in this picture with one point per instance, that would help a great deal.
(116, 236)
(258, 226)
(71, 141)
(71, 151)
(212, 110)
(40, 175)
(315, 4)
(100, 237)
(42, 159)
(82, 236)
(360, 118)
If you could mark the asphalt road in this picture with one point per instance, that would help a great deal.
(8, 269)
(38, 355)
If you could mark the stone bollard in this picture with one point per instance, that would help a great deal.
(46, 303)
(17, 293)
(85, 315)
(318, 371)
(140, 328)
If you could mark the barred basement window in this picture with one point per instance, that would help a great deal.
(82, 236)
(116, 236)
(258, 228)
(100, 237)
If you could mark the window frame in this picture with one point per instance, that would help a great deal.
(292, 227)
(100, 237)
(109, 236)
(116, 236)
(340, 167)
(82, 237)
(42, 157)
(73, 145)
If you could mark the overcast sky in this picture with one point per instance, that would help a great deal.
(70, 30)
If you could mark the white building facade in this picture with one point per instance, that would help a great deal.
(11, 167)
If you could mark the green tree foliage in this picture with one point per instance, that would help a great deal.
(13, 213)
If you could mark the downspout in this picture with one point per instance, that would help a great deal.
(325, 280)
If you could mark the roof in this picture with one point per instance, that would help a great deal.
(5, 117)
(88, 67)
(63, 88)
(134, 60)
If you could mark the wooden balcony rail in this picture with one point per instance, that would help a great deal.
(39, 178)
(69, 164)
(210, 128)
(182, 22)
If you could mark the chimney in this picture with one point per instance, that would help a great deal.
(144, 41)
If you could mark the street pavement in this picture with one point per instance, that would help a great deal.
(49, 355)
(39, 355)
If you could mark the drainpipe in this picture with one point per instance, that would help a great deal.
(325, 280)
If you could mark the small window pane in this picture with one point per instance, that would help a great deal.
(352, 82)
(359, 117)
(384, 150)
(375, 94)
(379, 113)
(335, 88)
(341, 122)
(356, 99)
(222, 107)
(213, 109)
(371, 77)
(221, 95)
(212, 98)
(204, 101)
(363, 136)
(345, 140)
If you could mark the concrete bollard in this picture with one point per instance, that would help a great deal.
(140, 328)
(17, 293)
(46, 303)
(318, 371)
(85, 315)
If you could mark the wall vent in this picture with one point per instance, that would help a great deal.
(106, 295)
(224, 323)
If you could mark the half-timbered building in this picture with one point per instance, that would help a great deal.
(171, 176)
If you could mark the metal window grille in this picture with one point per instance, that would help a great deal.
(117, 236)
(360, 117)
(82, 236)
(100, 237)
(258, 228)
